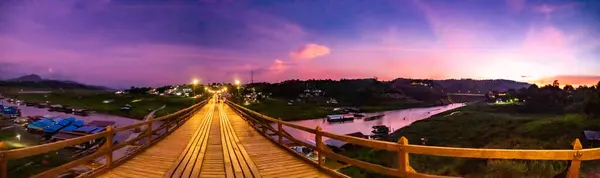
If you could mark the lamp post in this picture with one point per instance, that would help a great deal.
(194, 83)
(237, 83)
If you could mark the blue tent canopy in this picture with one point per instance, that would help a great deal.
(87, 129)
(70, 128)
(78, 123)
(10, 110)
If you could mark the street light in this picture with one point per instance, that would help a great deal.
(194, 83)
(237, 83)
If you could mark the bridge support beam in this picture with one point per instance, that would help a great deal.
(576, 162)
(319, 140)
(3, 161)
(109, 145)
(403, 162)
(280, 131)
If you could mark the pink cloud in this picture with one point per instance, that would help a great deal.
(310, 51)
(278, 66)
(547, 42)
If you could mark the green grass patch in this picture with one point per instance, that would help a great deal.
(487, 126)
(142, 104)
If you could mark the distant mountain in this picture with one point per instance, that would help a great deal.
(35, 81)
(27, 78)
(465, 85)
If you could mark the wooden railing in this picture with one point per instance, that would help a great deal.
(169, 123)
(403, 148)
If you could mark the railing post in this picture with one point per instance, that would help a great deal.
(109, 142)
(403, 163)
(575, 163)
(319, 140)
(149, 132)
(168, 125)
(280, 131)
(3, 161)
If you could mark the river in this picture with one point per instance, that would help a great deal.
(119, 121)
(394, 119)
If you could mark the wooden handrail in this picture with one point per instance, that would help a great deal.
(403, 149)
(105, 150)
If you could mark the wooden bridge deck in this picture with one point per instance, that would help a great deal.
(215, 142)
(157, 160)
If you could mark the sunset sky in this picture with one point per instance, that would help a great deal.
(119, 43)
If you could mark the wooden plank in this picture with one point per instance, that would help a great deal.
(237, 170)
(226, 159)
(194, 157)
(225, 123)
(264, 153)
(205, 166)
(183, 160)
(249, 167)
(168, 149)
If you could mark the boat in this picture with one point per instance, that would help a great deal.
(11, 111)
(81, 131)
(60, 124)
(41, 105)
(81, 112)
(67, 109)
(340, 118)
(380, 129)
(40, 125)
(126, 107)
(55, 107)
(73, 126)
(374, 117)
(358, 115)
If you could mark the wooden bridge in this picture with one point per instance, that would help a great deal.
(216, 139)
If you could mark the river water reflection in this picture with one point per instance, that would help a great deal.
(119, 121)
(395, 119)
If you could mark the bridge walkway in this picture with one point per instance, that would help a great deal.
(215, 142)
(157, 160)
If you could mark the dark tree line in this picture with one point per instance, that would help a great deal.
(553, 99)
(349, 91)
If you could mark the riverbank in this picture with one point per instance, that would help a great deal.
(305, 111)
(109, 103)
(486, 126)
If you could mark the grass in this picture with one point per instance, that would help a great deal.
(301, 111)
(32, 165)
(486, 126)
(141, 104)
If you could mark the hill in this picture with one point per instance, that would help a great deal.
(35, 81)
(463, 85)
(27, 78)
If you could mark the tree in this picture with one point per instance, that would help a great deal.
(555, 83)
(568, 88)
